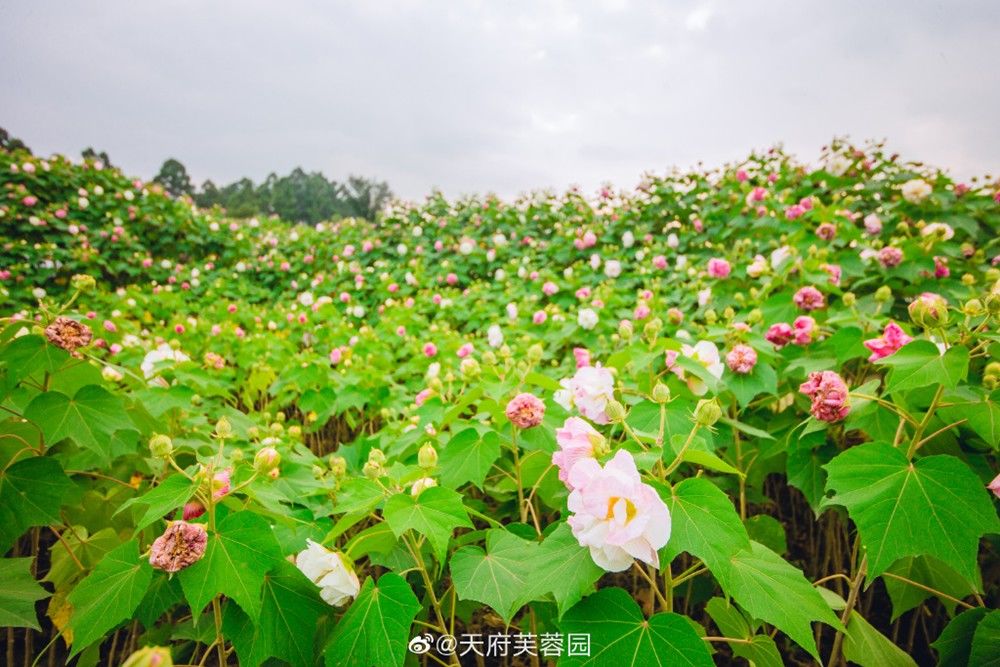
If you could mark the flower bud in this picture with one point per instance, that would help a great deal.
(661, 393)
(973, 308)
(616, 411)
(295, 431)
(83, 282)
(223, 429)
(266, 460)
(883, 294)
(427, 457)
(422, 485)
(652, 328)
(728, 313)
(161, 446)
(338, 464)
(469, 368)
(376, 456)
(535, 352)
(849, 299)
(710, 316)
(626, 329)
(489, 358)
(929, 310)
(755, 316)
(150, 656)
(675, 316)
(435, 385)
(372, 470)
(707, 412)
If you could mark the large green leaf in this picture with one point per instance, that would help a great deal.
(109, 595)
(704, 523)
(376, 627)
(761, 651)
(31, 492)
(468, 457)
(983, 417)
(31, 354)
(761, 380)
(927, 571)
(287, 624)
(775, 591)
(868, 647)
(921, 364)
(986, 641)
(18, 594)
(165, 497)
(90, 418)
(954, 644)
(620, 636)
(563, 568)
(435, 513)
(935, 506)
(239, 553)
(498, 577)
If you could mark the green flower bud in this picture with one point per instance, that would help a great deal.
(711, 316)
(266, 460)
(755, 316)
(616, 411)
(535, 352)
(929, 310)
(427, 457)
(489, 358)
(161, 446)
(150, 656)
(295, 431)
(883, 294)
(992, 303)
(338, 465)
(707, 412)
(973, 308)
(849, 299)
(469, 368)
(968, 279)
(223, 429)
(652, 328)
(83, 283)
(376, 456)
(661, 393)
(626, 329)
(372, 470)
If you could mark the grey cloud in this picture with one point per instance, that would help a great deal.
(486, 96)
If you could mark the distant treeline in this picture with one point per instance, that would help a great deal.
(297, 197)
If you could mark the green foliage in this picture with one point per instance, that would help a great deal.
(375, 630)
(18, 593)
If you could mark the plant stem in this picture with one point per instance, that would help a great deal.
(680, 455)
(852, 598)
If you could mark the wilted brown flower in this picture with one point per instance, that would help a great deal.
(182, 544)
(68, 334)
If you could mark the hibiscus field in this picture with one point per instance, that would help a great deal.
(745, 415)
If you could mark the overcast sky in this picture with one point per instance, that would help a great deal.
(497, 95)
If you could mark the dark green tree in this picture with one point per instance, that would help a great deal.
(89, 153)
(10, 143)
(364, 197)
(174, 178)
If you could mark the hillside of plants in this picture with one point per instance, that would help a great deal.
(743, 415)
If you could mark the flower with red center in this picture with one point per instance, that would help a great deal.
(809, 298)
(741, 359)
(829, 394)
(892, 339)
(525, 410)
(826, 231)
(181, 545)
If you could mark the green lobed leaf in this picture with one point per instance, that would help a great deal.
(620, 636)
(109, 595)
(775, 591)
(90, 418)
(498, 577)
(986, 641)
(291, 607)
(376, 627)
(704, 523)
(927, 571)
(165, 497)
(239, 553)
(868, 647)
(954, 644)
(935, 506)
(921, 364)
(18, 594)
(30, 355)
(468, 457)
(31, 492)
(563, 568)
(761, 380)
(761, 651)
(435, 513)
